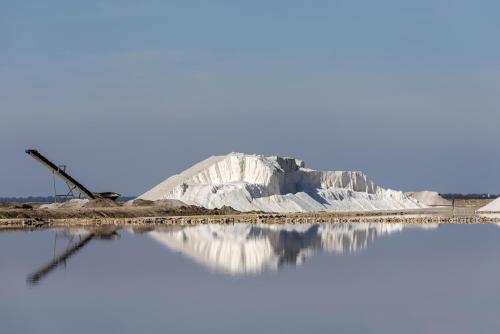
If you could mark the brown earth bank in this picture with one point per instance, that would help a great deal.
(27, 211)
(32, 216)
(93, 211)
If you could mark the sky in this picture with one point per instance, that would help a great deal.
(128, 93)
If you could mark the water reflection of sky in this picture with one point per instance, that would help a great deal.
(379, 279)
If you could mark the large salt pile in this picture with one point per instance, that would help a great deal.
(493, 206)
(275, 184)
(429, 198)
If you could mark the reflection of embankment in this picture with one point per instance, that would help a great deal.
(246, 248)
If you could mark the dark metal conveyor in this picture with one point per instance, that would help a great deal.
(68, 179)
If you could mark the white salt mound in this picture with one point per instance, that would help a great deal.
(492, 206)
(429, 198)
(166, 203)
(75, 203)
(274, 184)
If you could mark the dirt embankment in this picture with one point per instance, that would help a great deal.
(145, 213)
(100, 209)
(103, 209)
(292, 218)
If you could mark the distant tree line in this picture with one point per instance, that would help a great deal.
(34, 199)
(122, 199)
(469, 196)
(48, 199)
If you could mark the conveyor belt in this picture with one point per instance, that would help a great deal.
(46, 269)
(59, 172)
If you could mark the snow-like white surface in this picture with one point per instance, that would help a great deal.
(75, 203)
(492, 206)
(246, 248)
(429, 198)
(274, 184)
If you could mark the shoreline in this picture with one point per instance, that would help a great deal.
(43, 219)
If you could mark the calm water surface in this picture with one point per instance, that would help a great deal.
(383, 278)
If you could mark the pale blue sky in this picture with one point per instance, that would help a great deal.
(128, 93)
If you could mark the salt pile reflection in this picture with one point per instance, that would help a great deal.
(249, 249)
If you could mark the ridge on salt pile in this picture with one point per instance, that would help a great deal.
(429, 198)
(492, 206)
(275, 184)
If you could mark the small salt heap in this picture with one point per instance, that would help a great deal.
(429, 198)
(493, 206)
